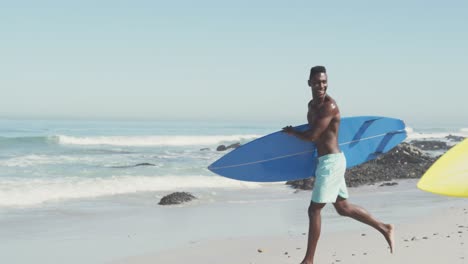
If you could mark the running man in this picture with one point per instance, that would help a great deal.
(330, 186)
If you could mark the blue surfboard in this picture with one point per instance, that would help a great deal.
(282, 157)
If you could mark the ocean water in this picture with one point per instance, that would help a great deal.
(55, 161)
(70, 191)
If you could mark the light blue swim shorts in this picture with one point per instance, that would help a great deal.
(329, 179)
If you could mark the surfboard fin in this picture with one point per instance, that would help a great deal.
(385, 140)
(363, 129)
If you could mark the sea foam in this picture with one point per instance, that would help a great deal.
(29, 192)
(143, 141)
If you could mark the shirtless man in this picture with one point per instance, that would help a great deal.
(330, 186)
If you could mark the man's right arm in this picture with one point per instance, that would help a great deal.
(318, 127)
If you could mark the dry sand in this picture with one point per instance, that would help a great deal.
(441, 237)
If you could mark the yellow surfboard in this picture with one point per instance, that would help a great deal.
(449, 174)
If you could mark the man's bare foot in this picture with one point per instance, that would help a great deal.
(388, 234)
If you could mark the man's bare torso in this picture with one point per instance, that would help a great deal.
(328, 140)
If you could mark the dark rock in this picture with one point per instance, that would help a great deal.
(144, 164)
(388, 184)
(176, 198)
(235, 145)
(204, 149)
(455, 138)
(223, 147)
(304, 184)
(430, 144)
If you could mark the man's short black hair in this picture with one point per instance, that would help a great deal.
(317, 69)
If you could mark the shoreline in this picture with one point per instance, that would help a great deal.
(134, 225)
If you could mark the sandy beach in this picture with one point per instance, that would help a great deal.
(259, 225)
(439, 237)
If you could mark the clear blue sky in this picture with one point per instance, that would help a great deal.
(232, 60)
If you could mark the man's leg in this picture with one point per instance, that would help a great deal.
(347, 209)
(315, 221)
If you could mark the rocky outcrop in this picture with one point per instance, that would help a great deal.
(223, 147)
(455, 138)
(430, 145)
(403, 162)
(176, 198)
(304, 184)
(388, 184)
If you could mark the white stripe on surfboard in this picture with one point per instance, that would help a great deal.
(300, 153)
